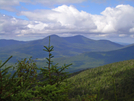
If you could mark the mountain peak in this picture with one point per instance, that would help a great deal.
(53, 35)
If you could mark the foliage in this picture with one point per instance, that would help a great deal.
(112, 82)
(115, 82)
(53, 78)
(23, 68)
(9, 88)
(51, 89)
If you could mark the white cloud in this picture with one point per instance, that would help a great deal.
(38, 25)
(12, 26)
(115, 20)
(62, 19)
(65, 19)
(131, 30)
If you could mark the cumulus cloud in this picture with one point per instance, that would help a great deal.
(61, 19)
(11, 26)
(115, 20)
(67, 20)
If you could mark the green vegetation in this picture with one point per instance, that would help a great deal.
(102, 78)
(12, 89)
(112, 82)
(26, 87)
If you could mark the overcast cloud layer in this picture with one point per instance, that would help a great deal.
(67, 20)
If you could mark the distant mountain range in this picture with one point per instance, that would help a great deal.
(95, 59)
(124, 44)
(84, 53)
(63, 47)
(8, 43)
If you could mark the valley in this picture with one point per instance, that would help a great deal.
(92, 72)
(66, 49)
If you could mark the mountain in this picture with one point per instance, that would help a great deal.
(93, 45)
(63, 47)
(95, 59)
(124, 44)
(7, 43)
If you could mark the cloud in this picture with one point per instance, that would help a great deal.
(10, 5)
(7, 4)
(11, 26)
(99, 1)
(68, 20)
(62, 19)
(115, 20)
(50, 2)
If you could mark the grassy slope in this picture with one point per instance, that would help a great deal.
(89, 81)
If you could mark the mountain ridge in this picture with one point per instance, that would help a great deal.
(63, 47)
(94, 59)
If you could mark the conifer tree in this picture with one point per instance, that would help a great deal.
(14, 88)
(23, 69)
(54, 86)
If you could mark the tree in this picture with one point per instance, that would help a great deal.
(23, 68)
(54, 86)
(19, 86)
(9, 88)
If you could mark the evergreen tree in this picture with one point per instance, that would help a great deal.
(19, 86)
(23, 69)
(54, 86)
(9, 88)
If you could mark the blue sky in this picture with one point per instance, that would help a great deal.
(97, 19)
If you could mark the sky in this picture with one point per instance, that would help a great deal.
(27, 20)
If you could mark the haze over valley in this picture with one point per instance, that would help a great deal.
(81, 51)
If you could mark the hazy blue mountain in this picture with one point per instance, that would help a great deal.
(93, 45)
(7, 43)
(124, 44)
(69, 46)
(95, 59)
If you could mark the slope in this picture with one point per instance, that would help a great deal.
(89, 82)
(94, 59)
(105, 79)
